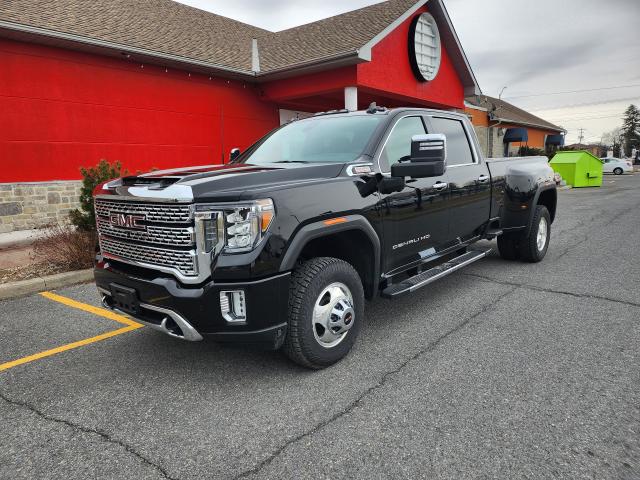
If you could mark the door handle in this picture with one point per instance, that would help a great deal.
(440, 185)
(483, 178)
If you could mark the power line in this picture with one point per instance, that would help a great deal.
(579, 119)
(573, 91)
(598, 102)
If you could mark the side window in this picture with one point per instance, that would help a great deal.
(458, 147)
(399, 142)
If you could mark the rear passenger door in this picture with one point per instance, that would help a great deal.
(469, 183)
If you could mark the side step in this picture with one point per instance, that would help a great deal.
(428, 276)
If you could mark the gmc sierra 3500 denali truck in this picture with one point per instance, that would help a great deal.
(282, 245)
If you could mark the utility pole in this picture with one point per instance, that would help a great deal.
(581, 136)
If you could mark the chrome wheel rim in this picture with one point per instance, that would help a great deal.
(333, 315)
(541, 239)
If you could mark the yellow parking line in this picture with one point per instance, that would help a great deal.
(90, 308)
(69, 346)
(130, 325)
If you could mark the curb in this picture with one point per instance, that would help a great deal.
(19, 238)
(40, 284)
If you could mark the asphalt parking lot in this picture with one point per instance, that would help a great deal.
(504, 370)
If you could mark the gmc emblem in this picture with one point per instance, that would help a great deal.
(127, 221)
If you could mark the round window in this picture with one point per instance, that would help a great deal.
(424, 47)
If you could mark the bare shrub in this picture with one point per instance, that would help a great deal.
(65, 247)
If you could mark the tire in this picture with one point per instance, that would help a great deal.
(323, 290)
(617, 171)
(508, 246)
(533, 248)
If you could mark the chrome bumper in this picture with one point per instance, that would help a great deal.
(180, 328)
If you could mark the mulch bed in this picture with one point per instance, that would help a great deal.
(27, 272)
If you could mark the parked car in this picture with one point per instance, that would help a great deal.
(283, 245)
(616, 166)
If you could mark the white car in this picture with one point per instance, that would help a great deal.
(616, 165)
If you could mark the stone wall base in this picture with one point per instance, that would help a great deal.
(24, 206)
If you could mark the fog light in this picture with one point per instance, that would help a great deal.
(233, 306)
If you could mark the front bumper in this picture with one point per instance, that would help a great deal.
(195, 313)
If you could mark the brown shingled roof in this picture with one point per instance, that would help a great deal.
(162, 26)
(169, 27)
(187, 35)
(331, 36)
(510, 113)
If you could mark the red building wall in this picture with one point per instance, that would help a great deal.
(390, 72)
(60, 110)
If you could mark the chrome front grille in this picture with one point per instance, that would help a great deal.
(182, 260)
(153, 235)
(153, 212)
(172, 236)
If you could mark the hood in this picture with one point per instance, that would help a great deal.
(229, 182)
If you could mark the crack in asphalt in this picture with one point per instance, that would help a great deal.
(379, 384)
(103, 435)
(551, 290)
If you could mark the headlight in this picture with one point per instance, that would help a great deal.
(245, 225)
(239, 226)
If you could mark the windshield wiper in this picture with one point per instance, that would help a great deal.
(291, 161)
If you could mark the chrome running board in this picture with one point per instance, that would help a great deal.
(412, 284)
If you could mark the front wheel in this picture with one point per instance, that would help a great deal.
(534, 247)
(617, 171)
(326, 309)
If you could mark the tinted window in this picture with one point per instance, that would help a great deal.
(458, 149)
(322, 139)
(399, 142)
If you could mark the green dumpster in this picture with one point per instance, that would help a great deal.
(578, 168)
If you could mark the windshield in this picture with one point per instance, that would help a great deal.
(323, 139)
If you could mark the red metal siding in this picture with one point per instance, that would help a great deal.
(62, 109)
(390, 72)
(309, 85)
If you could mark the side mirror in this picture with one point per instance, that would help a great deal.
(235, 153)
(428, 155)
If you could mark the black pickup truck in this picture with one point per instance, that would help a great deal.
(282, 245)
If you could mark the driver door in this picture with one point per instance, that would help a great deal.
(415, 220)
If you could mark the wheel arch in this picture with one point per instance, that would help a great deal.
(350, 238)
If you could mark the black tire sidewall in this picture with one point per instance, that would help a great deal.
(617, 171)
(336, 271)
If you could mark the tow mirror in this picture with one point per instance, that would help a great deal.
(235, 153)
(428, 155)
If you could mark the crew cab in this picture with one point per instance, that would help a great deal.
(282, 245)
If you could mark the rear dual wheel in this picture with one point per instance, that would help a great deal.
(532, 247)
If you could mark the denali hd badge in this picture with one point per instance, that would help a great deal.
(127, 221)
(413, 240)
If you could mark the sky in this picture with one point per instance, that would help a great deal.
(575, 63)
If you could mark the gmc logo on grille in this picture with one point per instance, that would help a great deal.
(127, 221)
